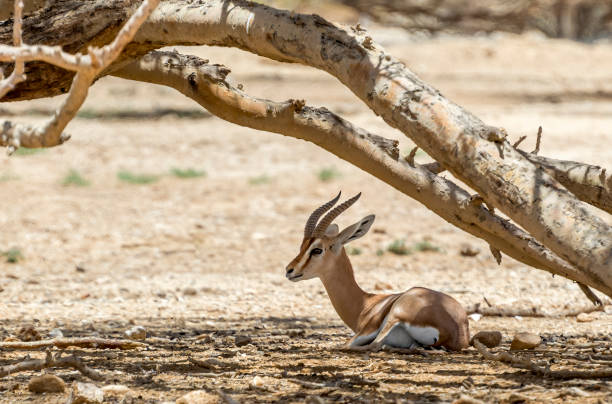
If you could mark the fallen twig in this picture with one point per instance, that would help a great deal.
(496, 311)
(526, 363)
(51, 361)
(63, 343)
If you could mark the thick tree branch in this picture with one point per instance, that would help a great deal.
(207, 85)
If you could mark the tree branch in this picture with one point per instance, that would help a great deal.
(63, 343)
(51, 361)
(207, 85)
(87, 66)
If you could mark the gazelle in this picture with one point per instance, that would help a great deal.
(417, 317)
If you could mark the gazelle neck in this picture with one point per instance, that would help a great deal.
(348, 299)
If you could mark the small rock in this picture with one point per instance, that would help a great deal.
(56, 333)
(241, 340)
(137, 333)
(490, 339)
(85, 393)
(516, 398)
(189, 291)
(199, 397)
(585, 317)
(115, 389)
(525, 340)
(475, 316)
(258, 381)
(47, 383)
(468, 250)
(28, 333)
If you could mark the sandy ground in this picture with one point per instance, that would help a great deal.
(200, 261)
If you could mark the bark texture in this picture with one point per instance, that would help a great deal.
(562, 235)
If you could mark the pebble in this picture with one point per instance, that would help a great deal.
(136, 333)
(490, 339)
(475, 316)
(85, 393)
(258, 381)
(199, 397)
(47, 383)
(189, 291)
(468, 250)
(525, 340)
(585, 317)
(56, 333)
(241, 340)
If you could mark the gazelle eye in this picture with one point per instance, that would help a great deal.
(316, 251)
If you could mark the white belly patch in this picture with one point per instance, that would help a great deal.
(404, 335)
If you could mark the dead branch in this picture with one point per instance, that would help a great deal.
(525, 363)
(87, 67)
(63, 343)
(503, 311)
(207, 85)
(51, 361)
(538, 140)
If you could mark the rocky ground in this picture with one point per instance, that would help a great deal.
(156, 214)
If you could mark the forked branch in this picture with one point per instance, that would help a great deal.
(87, 67)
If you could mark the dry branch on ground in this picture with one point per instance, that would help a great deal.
(51, 361)
(63, 343)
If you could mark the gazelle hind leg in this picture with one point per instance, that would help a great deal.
(379, 341)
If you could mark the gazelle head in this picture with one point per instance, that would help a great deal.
(323, 244)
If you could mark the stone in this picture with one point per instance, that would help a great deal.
(258, 381)
(468, 250)
(199, 397)
(56, 333)
(490, 339)
(525, 340)
(47, 383)
(241, 340)
(189, 291)
(585, 317)
(136, 333)
(85, 393)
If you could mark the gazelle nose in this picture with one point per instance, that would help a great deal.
(289, 271)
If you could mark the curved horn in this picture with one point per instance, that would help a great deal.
(314, 216)
(329, 218)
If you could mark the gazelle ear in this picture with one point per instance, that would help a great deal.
(332, 230)
(353, 232)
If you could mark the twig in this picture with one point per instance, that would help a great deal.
(590, 294)
(62, 343)
(539, 138)
(306, 384)
(518, 142)
(528, 312)
(519, 363)
(51, 361)
(410, 156)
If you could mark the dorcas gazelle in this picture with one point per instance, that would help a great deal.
(417, 317)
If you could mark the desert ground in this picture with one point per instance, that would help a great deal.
(157, 214)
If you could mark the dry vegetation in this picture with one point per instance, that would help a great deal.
(183, 224)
